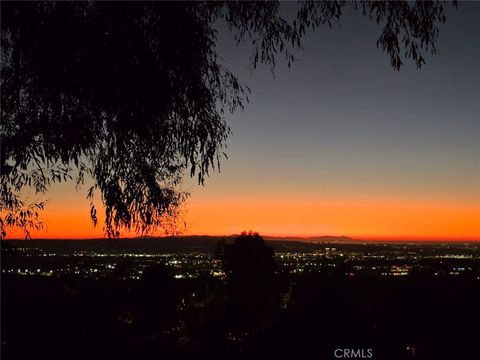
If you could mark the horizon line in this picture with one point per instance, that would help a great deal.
(267, 237)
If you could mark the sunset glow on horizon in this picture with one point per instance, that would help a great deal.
(205, 214)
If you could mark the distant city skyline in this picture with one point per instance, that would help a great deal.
(340, 144)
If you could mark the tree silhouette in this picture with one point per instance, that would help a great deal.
(133, 96)
(250, 279)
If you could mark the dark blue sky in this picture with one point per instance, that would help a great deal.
(342, 113)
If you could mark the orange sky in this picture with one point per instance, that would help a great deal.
(210, 211)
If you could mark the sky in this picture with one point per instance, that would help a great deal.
(340, 144)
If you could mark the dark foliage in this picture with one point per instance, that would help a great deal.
(252, 292)
(55, 318)
(131, 96)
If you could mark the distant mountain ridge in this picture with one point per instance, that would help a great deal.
(315, 239)
(172, 243)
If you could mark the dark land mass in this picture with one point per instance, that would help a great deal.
(181, 242)
(352, 299)
(69, 318)
(208, 243)
(172, 244)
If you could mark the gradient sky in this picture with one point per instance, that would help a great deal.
(340, 144)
